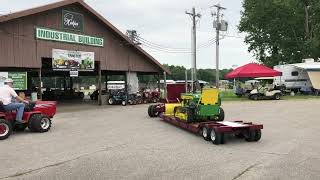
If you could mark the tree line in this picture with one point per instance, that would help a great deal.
(281, 31)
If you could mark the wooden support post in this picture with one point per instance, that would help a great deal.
(165, 84)
(100, 87)
(158, 78)
(40, 85)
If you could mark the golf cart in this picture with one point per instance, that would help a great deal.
(265, 90)
(37, 117)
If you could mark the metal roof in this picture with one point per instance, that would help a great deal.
(58, 4)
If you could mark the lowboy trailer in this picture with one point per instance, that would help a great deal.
(218, 131)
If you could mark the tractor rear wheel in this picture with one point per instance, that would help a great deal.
(216, 137)
(39, 123)
(155, 113)
(150, 111)
(221, 115)
(5, 129)
(277, 96)
(206, 133)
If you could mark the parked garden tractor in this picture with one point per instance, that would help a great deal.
(37, 117)
(194, 107)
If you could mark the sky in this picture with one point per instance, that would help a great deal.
(164, 22)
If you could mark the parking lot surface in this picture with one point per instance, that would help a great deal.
(115, 142)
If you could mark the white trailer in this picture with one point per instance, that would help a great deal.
(299, 76)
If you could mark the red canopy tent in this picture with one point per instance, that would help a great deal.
(252, 70)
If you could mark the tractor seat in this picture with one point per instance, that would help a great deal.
(209, 96)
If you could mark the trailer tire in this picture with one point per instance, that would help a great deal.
(250, 136)
(5, 129)
(206, 133)
(257, 136)
(216, 137)
(221, 115)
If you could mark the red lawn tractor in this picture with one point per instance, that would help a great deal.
(37, 117)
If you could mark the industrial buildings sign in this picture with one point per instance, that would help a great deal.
(54, 35)
(65, 60)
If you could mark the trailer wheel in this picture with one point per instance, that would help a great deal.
(5, 129)
(277, 96)
(250, 136)
(257, 136)
(206, 133)
(216, 137)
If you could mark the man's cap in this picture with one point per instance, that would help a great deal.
(8, 81)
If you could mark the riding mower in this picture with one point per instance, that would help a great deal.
(37, 117)
(194, 107)
(118, 97)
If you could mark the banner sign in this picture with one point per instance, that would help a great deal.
(19, 79)
(72, 21)
(65, 60)
(74, 73)
(53, 35)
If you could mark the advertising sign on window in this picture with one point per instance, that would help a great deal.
(66, 60)
(19, 79)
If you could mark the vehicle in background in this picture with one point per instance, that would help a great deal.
(296, 77)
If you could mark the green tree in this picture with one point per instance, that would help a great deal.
(276, 30)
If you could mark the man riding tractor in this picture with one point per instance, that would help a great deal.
(6, 95)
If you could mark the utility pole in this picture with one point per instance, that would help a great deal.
(218, 29)
(194, 17)
(306, 9)
(133, 36)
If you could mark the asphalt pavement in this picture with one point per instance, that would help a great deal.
(115, 142)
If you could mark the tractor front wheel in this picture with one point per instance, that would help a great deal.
(250, 136)
(39, 123)
(5, 129)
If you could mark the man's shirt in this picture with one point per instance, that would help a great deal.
(6, 94)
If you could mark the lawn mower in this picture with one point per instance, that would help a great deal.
(118, 97)
(37, 117)
(194, 107)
